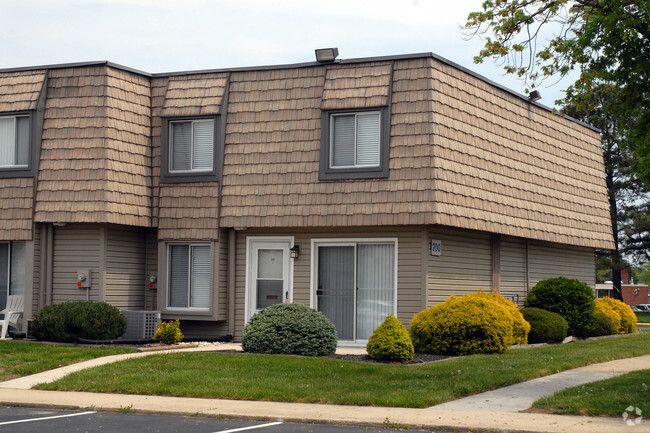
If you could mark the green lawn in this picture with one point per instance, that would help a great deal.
(21, 358)
(325, 380)
(643, 317)
(608, 397)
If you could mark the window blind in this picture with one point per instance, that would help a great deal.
(200, 287)
(7, 141)
(178, 275)
(181, 145)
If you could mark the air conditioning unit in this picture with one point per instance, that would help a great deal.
(140, 324)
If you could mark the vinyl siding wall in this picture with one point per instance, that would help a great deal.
(554, 260)
(124, 273)
(465, 265)
(76, 247)
(410, 276)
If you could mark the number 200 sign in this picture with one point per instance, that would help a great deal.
(436, 247)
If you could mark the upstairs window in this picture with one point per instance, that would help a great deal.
(189, 277)
(191, 146)
(14, 141)
(355, 140)
(354, 144)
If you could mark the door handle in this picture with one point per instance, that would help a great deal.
(319, 293)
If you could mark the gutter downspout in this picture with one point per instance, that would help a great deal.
(232, 241)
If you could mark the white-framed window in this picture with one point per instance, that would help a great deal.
(12, 270)
(354, 283)
(189, 276)
(355, 140)
(14, 141)
(191, 146)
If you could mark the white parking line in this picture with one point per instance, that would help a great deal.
(251, 427)
(46, 418)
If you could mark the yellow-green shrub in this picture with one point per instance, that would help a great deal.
(621, 315)
(520, 327)
(390, 342)
(169, 332)
(462, 326)
(606, 309)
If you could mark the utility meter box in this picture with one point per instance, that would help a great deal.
(84, 278)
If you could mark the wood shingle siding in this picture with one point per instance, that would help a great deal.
(354, 86)
(194, 95)
(506, 166)
(189, 211)
(95, 164)
(17, 198)
(19, 91)
(271, 171)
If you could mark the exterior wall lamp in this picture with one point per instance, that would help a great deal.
(534, 96)
(295, 251)
(326, 55)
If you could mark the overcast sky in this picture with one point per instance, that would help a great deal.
(172, 35)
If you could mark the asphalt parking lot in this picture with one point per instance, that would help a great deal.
(34, 420)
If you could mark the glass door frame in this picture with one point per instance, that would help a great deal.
(336, 242)
(254, 243)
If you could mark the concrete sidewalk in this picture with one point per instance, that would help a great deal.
(467, 416)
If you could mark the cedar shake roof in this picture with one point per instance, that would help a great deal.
(355, 86)
(95, 164)
(19, 91)
(17, 198)
(194, 95)
(464, 152)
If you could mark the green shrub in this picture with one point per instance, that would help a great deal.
(390, 342)
(462, 326)
(293, 329)
(602, 325)
(621, 315)
(571, 299)
(545, 326)
(520, 326)
(169, 332)
(69, 321)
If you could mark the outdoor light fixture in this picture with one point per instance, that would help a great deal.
(326, 55)
(295, 251)
(534, 96)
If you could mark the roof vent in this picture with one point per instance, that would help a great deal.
(326, 55)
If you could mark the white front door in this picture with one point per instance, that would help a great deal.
(269, 271)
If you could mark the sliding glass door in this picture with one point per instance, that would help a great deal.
(356, 286)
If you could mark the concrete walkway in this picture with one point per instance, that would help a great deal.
(470, 415)
(521, 396)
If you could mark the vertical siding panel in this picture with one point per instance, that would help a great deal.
(553, 260)
(513, 267)
(465, 265)
(37, 268)
(76, 246)
(124, 277)
(151, 258)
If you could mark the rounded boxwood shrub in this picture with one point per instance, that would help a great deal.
(292, 329)
(390, 342)
(612, 315)
(545, 326)
(621, 315)
(602, 325)
(462, 326)
(571, 299)
(520, 327)
(69, 321)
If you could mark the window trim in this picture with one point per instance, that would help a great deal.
(27, 170)
(168, 271)
(167, 175)
(360, 172)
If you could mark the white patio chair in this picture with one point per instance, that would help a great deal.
(15, 305)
